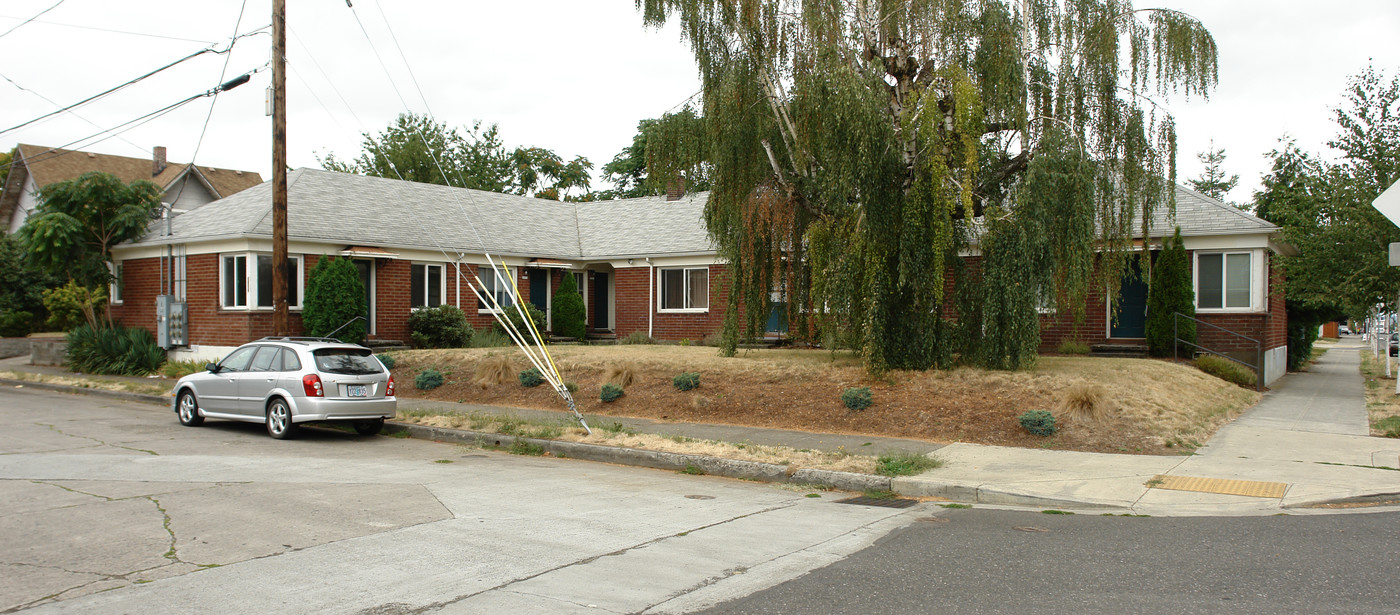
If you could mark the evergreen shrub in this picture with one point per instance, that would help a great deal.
(568, 309)
(334, 296)
(444, 326)
(16, 323)
(1226, 369)
(387, 359)
(611, 393)
(428, 379)
(531, 378)
(513, 315)
(1168, 293)
(1038, 422)
(686, 381)
(856, 398)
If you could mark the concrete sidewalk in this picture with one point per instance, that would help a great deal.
(1308, 433)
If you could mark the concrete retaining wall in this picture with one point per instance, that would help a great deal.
(13, 347)
(47, 351)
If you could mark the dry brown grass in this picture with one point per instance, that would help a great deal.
(1381, 400)
(1145, 406)
(494, 370)
(1085, 401)
(156, 386)
(621, 373)
(794, 459)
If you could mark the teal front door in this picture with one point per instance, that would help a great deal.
(1131, 321)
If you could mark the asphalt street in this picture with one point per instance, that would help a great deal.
(112, 507)
(998, 561)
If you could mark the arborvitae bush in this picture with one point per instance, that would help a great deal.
(444, 326)
(856, 398)
(686, 381)
(428, 379)
(334, 295)
(531, 378)
(1170, 292)
(568, 310)
(1038, 422)
(610, 393)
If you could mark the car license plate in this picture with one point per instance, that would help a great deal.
(356, 390)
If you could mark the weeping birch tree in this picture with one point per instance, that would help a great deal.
(857, 147)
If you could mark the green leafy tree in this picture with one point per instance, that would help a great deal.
(1325, 208)
(5, 160)
(334, 296)
(1168, 294)
(628, 169)
(1213, 181)
(851, 142)
(22, 285)
(415, 148)
(567, 309)
(72, 231)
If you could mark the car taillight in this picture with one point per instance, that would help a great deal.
(389, 390)
(311, 383)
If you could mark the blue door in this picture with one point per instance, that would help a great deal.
(600, 301)
(1131, 309)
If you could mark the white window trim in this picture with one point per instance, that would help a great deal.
(442, 285)
(500, 277)
(251, 285)
(1258, 282)
(114, 290)
(685, 286)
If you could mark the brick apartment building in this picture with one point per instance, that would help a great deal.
(643, 265)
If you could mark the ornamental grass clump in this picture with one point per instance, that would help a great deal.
(531, 378)
(621, 373)
(428, 379)
(856, 398)
(611, 393)
(686, 381)
(493, 370)
(1039, 422)
(1085, 401)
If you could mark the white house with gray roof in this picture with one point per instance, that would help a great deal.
(644, 265)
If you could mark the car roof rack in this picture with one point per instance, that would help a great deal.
(287, 338)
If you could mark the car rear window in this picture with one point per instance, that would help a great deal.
(346, 361)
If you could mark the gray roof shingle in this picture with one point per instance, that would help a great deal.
(358, 210)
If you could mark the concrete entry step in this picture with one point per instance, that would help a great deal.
(1118, 350)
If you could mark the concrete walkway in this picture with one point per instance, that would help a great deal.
(1308, 433)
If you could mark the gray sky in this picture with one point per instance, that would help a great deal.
(574, 77)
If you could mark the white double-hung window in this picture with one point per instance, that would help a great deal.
(426, 286)
(684, 290)
(1226, 281)
(246, 280)
(496, 284)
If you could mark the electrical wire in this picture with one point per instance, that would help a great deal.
(40, 14)
(111, 30)
(72, 113)
(228, 55)
(138, 79)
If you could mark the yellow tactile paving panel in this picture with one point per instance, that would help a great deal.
(1252, 488)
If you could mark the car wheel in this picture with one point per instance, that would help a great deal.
(370, 427)
(279, 420)
(188, 409)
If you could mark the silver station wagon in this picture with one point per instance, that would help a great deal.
(285, 381)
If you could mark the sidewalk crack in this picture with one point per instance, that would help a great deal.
(66, 434)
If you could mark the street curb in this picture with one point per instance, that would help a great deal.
(978, 494)
(66, 388)
(716, 466)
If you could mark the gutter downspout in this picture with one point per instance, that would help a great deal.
(651, 300)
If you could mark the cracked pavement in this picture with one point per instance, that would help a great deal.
(112, 507)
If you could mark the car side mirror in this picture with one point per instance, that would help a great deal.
(213, 368)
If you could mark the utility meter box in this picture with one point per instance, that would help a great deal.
(171, 329)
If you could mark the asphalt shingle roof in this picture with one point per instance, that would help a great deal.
(358, 210)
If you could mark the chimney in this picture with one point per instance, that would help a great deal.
(157, 160)
(675, 189)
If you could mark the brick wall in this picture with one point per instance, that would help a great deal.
(633, 307)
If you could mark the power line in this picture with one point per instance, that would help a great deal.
(222, 71)
(73, 113)
(136, 80)
(113, 31)
(55, 5)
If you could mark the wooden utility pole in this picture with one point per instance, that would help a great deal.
(279, 169)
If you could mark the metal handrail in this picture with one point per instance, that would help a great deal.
(347, 323)
(1258, 347)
